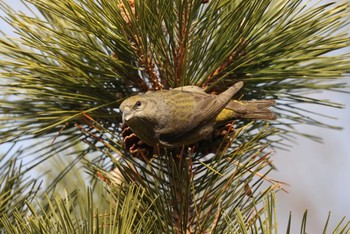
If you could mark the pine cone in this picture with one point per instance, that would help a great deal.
(134, 145)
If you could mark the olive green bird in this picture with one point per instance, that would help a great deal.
(186, 115)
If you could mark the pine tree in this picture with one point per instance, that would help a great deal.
(73, 167)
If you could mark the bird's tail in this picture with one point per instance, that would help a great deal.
(254, 109)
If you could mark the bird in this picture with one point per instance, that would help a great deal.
(186, 115)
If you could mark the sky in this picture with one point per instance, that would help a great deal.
(318, 174)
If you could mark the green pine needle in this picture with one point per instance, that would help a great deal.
(70, 65)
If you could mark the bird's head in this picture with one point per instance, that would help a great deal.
(132, 107)
(139, 114)
(140, 106)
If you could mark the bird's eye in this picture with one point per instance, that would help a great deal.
(138, 104)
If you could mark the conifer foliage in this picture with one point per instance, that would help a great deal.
(73, 62)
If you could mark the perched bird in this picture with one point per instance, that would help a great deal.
(186, 115)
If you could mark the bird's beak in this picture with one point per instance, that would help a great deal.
(125, 114)
(123, 117)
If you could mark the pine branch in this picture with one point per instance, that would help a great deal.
(80, 212)
(73, 63)
(77, 57)
(192, 190)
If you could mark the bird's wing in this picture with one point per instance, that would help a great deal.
(252, 109)
(206, 108)
(209, 107)
(191, 89)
